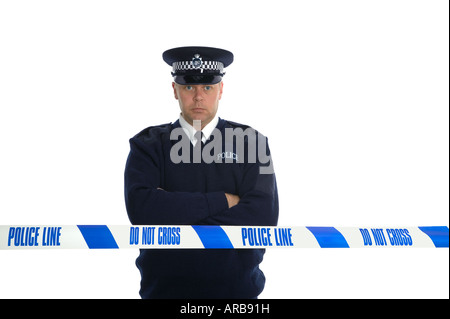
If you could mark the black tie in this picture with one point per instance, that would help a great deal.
(199, 136)
(197, 156)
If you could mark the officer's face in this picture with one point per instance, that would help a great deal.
(198, 102)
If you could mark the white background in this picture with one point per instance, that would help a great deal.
(353, 96)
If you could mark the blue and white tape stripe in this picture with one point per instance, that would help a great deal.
(218, 237)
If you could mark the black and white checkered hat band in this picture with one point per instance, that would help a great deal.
(206, 65)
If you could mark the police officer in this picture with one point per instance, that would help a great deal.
(166, 184)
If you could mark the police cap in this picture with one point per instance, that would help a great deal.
(198, 65)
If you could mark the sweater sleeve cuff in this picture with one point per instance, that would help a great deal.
(217, 202)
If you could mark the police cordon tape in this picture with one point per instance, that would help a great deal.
(218, 237)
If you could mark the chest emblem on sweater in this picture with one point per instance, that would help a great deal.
(240, 146)
(227, 155)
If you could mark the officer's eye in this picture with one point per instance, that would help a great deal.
(189, 87)
(208, 87)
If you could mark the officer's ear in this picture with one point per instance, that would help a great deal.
(174, 91)
(221, 89)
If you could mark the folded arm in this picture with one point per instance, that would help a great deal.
(148, 204)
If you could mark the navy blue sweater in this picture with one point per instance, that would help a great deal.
(161, 192)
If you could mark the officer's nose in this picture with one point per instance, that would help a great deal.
(198, 95)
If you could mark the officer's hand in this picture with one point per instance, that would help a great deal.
(232, 199)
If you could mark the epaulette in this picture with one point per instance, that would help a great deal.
(242, 126)
(153, 133)
(236, 125)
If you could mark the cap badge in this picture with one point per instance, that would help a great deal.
(197, 61)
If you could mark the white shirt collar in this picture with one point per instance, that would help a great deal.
(190, 131)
